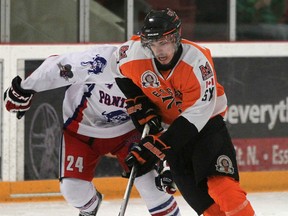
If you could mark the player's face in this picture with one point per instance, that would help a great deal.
(163, 50)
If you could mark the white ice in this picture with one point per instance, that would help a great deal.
(265, 204)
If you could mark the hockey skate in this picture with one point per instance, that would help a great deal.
(94, 212)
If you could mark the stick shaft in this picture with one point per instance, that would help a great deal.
(131, 180)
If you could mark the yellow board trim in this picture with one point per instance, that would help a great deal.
(114, 187)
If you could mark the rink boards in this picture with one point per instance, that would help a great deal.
(114, 187)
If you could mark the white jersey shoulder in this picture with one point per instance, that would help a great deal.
(93, 104)
(131, 50)
(86, 67)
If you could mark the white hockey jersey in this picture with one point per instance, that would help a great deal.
(93, 106)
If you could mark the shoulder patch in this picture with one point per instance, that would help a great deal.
(149, 79)
(122, 52)
(206, 71)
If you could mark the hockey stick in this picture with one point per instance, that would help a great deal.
(131, 180)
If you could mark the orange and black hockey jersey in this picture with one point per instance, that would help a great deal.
(189, 90)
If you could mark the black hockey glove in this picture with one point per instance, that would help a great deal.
(17, 99)
(146, 154)
(141, 112)
(164, 181)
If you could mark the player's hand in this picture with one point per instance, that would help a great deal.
(146, 153)
(17, 99)
(164, 181)
(155, 124)
(141, 111)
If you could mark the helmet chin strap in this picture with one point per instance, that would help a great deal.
(173, 61)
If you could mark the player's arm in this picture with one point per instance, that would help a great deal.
(198, 106)
(139, 107)
(18, 97)
(65, 69)
(152, 148)
(54, 72)
(129, 89)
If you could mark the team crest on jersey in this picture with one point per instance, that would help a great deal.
(97, 64)
(224, 165)
(122, 52)
(149, 79)
(117, 116)
(65, 71)
(206, 71)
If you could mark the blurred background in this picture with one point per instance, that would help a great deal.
(73, 21)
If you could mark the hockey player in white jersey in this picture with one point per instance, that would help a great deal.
(95, 123)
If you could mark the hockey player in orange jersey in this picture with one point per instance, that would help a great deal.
(173, 80)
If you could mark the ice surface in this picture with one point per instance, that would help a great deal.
(265, 204)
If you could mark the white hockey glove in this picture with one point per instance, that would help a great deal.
(17, 99)
(164, 181)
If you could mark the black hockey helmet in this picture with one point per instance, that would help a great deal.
(158, 24)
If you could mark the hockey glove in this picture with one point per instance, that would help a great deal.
(16, 98)
(146, 154)
(141, 112)
(164, 181)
